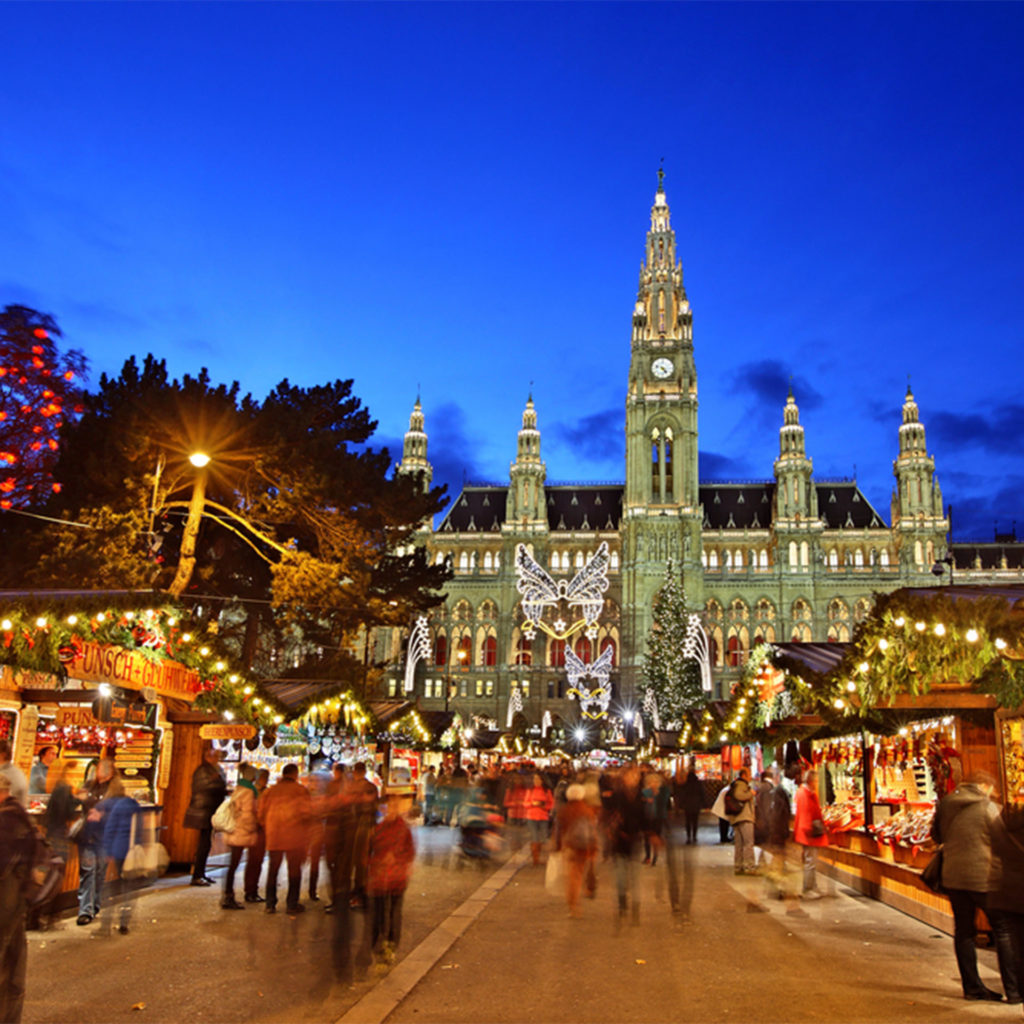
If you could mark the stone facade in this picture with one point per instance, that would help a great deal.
(788, 558)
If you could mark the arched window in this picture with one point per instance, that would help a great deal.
(565, 561)
(918, 553)
(728, 559)
(737, 559)
(858, 559)
(883, 558)
(833, 558)
(464, 561)
(464, 650)
(805, 556)
(861, 609)
(524, 651)
(762, 559)
(556, 654)
(488, 560)
(734, 651)
(579, 560)
(441, 649)
(792, 554)
(605, 644)
(613, 561)
(582, 649)
(712, 559)
(489, 652)
(553, 561)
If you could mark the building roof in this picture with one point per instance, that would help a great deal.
(598, 507)
(988, 555)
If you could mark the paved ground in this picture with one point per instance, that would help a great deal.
(497, 947)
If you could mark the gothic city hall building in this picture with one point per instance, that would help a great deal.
(788, 558)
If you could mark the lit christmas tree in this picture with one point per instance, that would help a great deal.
(671, 671)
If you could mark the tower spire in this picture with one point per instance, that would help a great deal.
(414, 447)
(526, 506)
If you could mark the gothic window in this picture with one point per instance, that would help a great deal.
(613, 561)
(930, 554)
(556, 653)
(792, 554)
(737, 559)
(462, 611)
(579, 560)
(488, 611)
(464, 561)
(858, 559)
(883, 558)
(464, 650)
(524, 651)
(712, 559)
(715, 646)
(918, 553)
(668, 462)
(801, 616)
(738, 610)
(861, 609)
(805, 556)
(553, 562)
(605, 644)
(489, 652)
(565, 561)
(838, 610)
(488, 560)
(439, 560)
(704, 558)
(737, 646)
(838, 633)
(582, 649)
(762, 558)
(713, 610)
(833, 558)
(441, 649)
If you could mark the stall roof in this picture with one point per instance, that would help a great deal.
(818, 658)
(1013, 594)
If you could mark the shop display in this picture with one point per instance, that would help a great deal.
(1012, 736)
(910, 827)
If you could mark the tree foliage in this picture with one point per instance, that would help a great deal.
(39, 391)
(668, 671)
(303, 528)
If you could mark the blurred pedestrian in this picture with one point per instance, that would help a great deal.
(762, 814)
(62, 808)
(363, 798)
(626, 825)
(688, 798)
(285, 811)
(576, 838)
(778, 837)
(118, 811)
(17, 783)
(92, 862)
(389, 863)
(962, 824)
(655, 797)
(809, 831)
(209, 788)
(243, 835)
(429, 789)
(1006, 888)
(17, 853)
(317, 786)
(254, 858)
(538, 802)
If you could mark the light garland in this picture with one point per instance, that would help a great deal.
(540, 592)
(418, 650)
(594, 700)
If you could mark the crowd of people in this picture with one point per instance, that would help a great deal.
(343, 828)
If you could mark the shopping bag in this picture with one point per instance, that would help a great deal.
(553, 872)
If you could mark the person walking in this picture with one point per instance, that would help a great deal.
(538, 802)
(209, 788)
(655, 796)
(363, 797)
(576, 838)
(809, 831)
(254, 858)
(962, 824)
(244, 834)
(40, 770)
(389, 863)
(1006, 888)
(625, 826)
(688, 798)
(743, 824)
(17, 783)
(92, 862)
(778, 813)
(62, 809)
(285, 811)
(17, 852)
(117, 811)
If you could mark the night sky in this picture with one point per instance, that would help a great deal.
(452, 200)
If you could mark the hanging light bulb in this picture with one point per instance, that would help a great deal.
(971, 636)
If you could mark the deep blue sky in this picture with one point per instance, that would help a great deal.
(453, 198)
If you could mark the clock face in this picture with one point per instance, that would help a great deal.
(662, 367)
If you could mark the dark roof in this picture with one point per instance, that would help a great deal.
(990, 556)
(1012, 594)
(818, 658)
(727, 506)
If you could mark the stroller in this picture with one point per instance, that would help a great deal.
(479, 831)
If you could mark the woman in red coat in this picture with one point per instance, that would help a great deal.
(538, 802)
(809, 830)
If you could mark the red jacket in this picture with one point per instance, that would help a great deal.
(391, 855)
(807, 810)
(539, 802)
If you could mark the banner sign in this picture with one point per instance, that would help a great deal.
(105, 664)
(217, 731)
(118, 713)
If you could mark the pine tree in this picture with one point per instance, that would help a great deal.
(668, 672)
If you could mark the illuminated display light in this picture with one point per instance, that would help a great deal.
(594, 701)
(539, 591)
(418, 650)
(971, 636)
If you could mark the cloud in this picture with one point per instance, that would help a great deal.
(100, 315)
(978, 515)
(597, 436)
(997, 432)
(769, 380)
(712, 466)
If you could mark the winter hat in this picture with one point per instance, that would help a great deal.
(575, 792)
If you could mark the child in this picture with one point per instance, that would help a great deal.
(390, 861)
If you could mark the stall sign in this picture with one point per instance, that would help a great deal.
(164, 747)
(104, 663)
(218, 731)
(25, 743)
(121, 713)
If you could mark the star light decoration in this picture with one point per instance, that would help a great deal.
(419, 649)
(515, 705)
(695, 645)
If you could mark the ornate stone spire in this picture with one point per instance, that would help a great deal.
(795, 494)
(526, 506)
(414, 448)
(917, 495)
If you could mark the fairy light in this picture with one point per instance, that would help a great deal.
(1000, 643)
(186, 637)
(864, 666)
(41, 622)
(72, 620)
(899, 621)
(220, 666)
(920, 626)
(883, 644)
(940, 629)
(204, 651)
(839, 703)
(971, 636)
(851, 686)
(229, 715)
(233, 678)
(172, 621)
(129, 615)
(101, 617)
(6, 625)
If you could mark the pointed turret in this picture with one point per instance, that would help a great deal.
(796, 498)
(414, 448)
(917, 495)
(526, 507)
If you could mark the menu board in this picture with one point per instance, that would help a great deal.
(1012, 742)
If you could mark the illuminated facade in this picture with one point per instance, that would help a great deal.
(789, 558)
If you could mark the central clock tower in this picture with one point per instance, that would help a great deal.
(661, 508)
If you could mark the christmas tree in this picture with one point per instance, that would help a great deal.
(671, 673)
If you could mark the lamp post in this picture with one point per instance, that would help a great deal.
(187, 557)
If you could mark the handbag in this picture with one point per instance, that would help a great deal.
(552, 872)
(931, 875)
(223, 819)
(817, 828)
(144, 859)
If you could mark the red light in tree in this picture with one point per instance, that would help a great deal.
(56, 488)
(41, 332)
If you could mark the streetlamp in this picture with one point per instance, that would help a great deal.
(187, 558)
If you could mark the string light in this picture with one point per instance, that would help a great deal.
(971, 636)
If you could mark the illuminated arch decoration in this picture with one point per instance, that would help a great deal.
(585, 591)
(695, 645)
(650, 708)
(515, 705)
(418, 650)
(595, 697)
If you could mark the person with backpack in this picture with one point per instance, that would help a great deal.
(18, 842)
(576, 838)
(739, 806)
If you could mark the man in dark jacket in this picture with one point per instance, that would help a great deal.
(17, 849)
(1006, 883)
(961, 825)
(209, 787)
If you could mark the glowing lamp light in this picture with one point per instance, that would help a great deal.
(233, 678)
(1000, 643)
(971, 636)
(839, 703)
(101, 617)
(724, 736)
(204, 651)
(185, 637)
(104, 689)
(6, 624)
(851, 686)
(883, 644)
(940, 629)
(920, 626)
(172, 621)
(199, 459)
(904, 731)
(129, 615)
(900, 621)
(41, 622)
(228, 716)
(220, 666)
(72, 620)
(278, 719)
